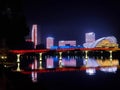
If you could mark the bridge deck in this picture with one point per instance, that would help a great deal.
(63, 50)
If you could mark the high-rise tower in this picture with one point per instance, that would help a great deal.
(49, 42)
(89, 37)
(34, 34)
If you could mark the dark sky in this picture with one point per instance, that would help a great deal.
(71, 19)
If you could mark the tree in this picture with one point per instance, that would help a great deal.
(13, 24)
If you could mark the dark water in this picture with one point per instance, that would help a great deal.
(100, 73)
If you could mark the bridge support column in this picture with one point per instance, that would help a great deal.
(18, 58)
(86, 57)
(86, 54)
(18, 67)
(40, 54)
(18, 63)
(40, 60)
(60, 59)
(110, 56)
(102, 57)
(60, 55)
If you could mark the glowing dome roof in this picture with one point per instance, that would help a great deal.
(112, 39)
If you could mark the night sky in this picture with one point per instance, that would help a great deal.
(71, 19)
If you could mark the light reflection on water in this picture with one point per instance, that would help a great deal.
(66, 63)
(54, 72)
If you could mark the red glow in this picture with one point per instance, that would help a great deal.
(61, 50)
(62, 69)
(28, 51)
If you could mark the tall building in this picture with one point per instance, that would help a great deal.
(89, 37)
(49, 42)
(61, 43)
(64, 43)
(34, 35)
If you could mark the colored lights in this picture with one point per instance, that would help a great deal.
(49, 63)
(103, 42)
(34, 35)
(49, 42)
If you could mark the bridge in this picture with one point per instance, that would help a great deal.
(41, 51)
(62, 50)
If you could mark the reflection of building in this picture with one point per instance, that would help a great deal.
(49, 63)
(64, 43)
(71, 62)
(114, 62)
(89, 37)
(91, 71)
(49, 42)
(34, 74)
(91, 62)
(105, 65)
(110, 41)
(112, 69)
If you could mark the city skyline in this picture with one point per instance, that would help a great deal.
(70, 20)
(58, 44)
(90, 41)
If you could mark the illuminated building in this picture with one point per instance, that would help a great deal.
(34, 35)
(61, 43)
(64, 43)
(109, 41)
(49, 42)
(89, 37)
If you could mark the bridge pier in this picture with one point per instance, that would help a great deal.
(102, 57)
(18, 58)
(86, 54)
(40, 61)
(18, 63)
(110, 56)
(60, 59)
(40, 56)
(60, 55)
(18, 67)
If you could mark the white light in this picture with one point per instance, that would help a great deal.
(90, 33)
(109, 69)
(91, 71)
(62, 41)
